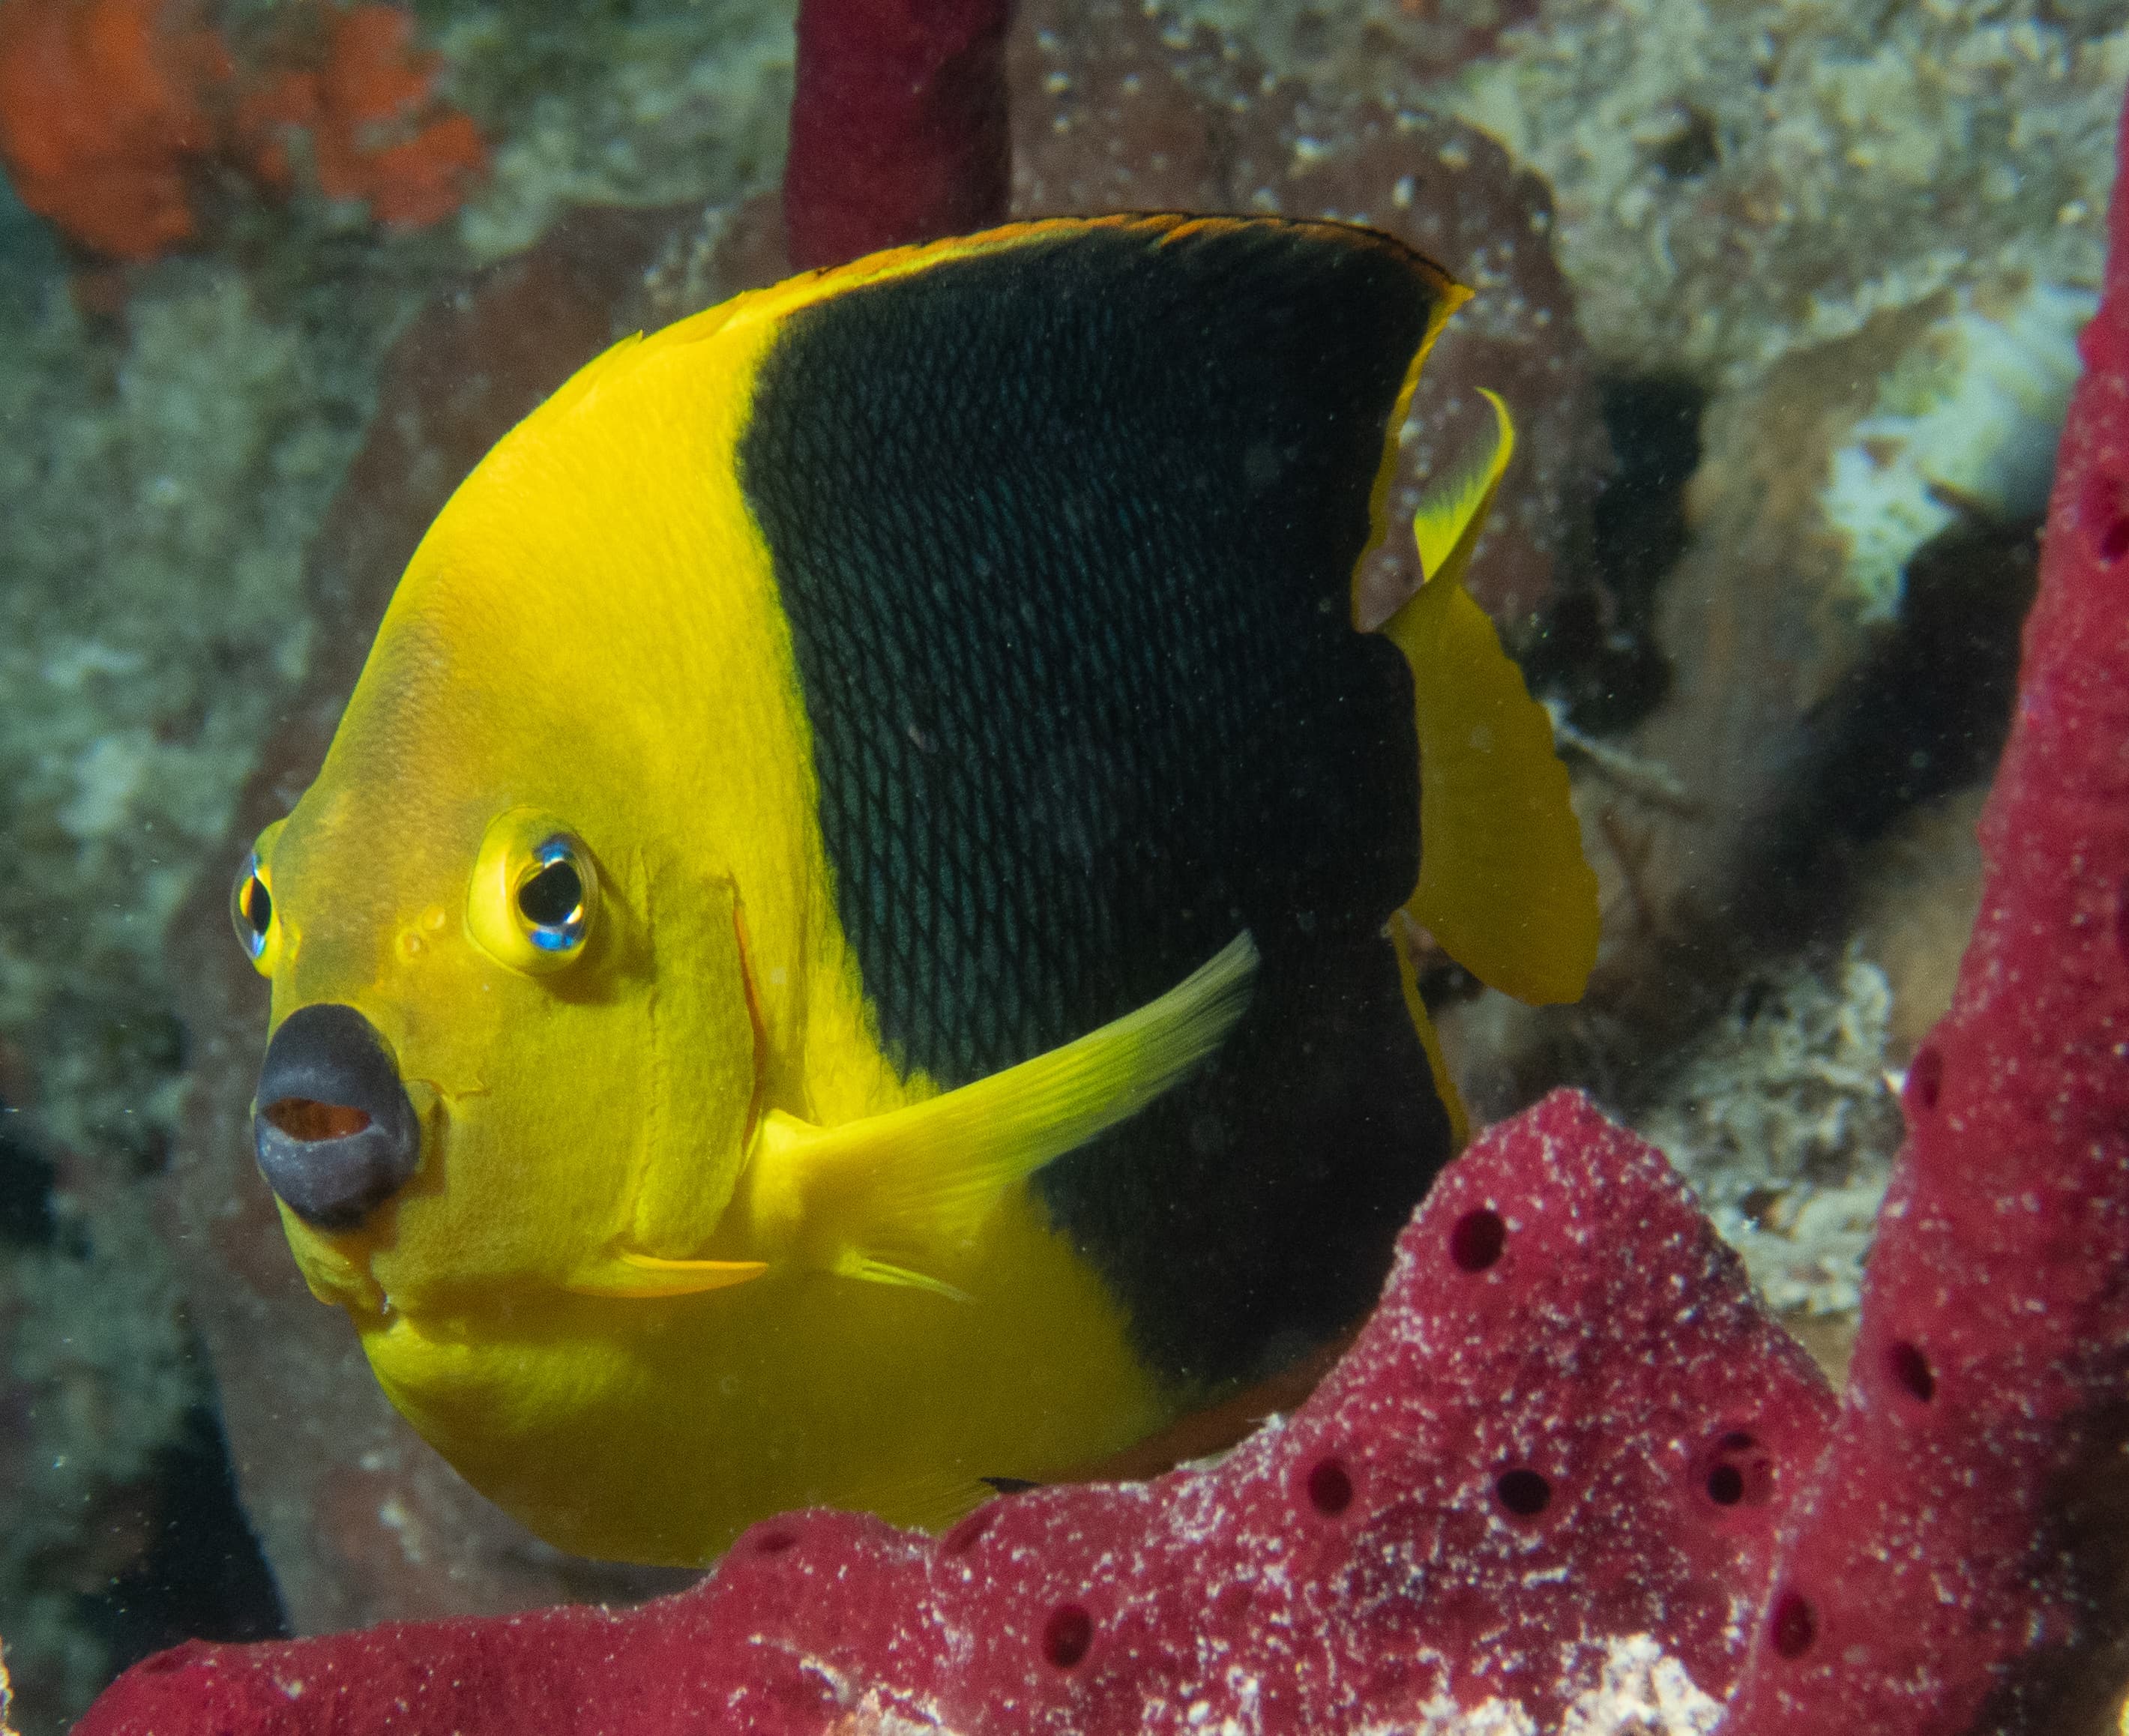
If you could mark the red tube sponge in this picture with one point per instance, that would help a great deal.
(897, 125)
(1945, 1571)
(1545, 1480)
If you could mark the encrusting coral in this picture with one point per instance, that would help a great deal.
(374, 131)
(106, 106)
(111, 109)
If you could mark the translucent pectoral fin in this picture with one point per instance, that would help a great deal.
(874, 1196)
(932, 1500)
(621, 1274)
(885, 1272)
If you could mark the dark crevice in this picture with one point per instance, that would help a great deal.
(1923, 714)
(26, 1219)
(202, 1576)
(1596, 648)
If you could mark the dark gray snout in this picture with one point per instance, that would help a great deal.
(334, 1130)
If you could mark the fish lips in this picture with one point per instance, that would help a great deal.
(334, 1129)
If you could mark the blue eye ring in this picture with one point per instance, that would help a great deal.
(251, 910)
(532, 903)
(552, 897)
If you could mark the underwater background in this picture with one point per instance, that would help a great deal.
(1785, 295)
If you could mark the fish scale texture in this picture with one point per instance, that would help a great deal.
(1957, 1564)
(1064, 533)
(1566, 1430)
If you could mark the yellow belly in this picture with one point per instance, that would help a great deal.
(655, 1431)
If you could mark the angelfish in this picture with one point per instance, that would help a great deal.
(853, 937)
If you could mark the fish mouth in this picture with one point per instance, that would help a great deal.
(334, 1130)
(304, 1118)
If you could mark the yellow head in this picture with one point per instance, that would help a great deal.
(511, 1009)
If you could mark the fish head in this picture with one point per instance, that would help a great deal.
(508, 1009)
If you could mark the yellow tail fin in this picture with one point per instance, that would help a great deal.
(1503, 885)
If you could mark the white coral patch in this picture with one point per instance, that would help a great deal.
(1972, 410)
(1640, 1690)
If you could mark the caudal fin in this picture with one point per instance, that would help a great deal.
(1503, 885)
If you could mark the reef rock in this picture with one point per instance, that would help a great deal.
(1115, 110)
(1540, 1491)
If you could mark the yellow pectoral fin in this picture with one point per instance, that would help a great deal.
(1503, 885)
(922, 1176)
(643, 1275)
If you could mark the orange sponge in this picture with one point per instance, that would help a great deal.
(375, 135)
(107, 107)
(104, 105)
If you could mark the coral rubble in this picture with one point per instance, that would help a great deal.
(1735, 183)
(1782, 1120)
(1542, 1489)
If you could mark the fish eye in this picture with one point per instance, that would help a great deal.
(551, 897)
(251, 904)
(535, 892)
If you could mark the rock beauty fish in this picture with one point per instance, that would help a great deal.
(848, 943)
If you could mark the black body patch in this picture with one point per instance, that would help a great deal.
(1064, 533)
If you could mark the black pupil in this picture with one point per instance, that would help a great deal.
(550, 898)
(258, 905)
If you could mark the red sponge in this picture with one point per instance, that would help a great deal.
(1548, 1474)
(897, 125)
(1964, 1543)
